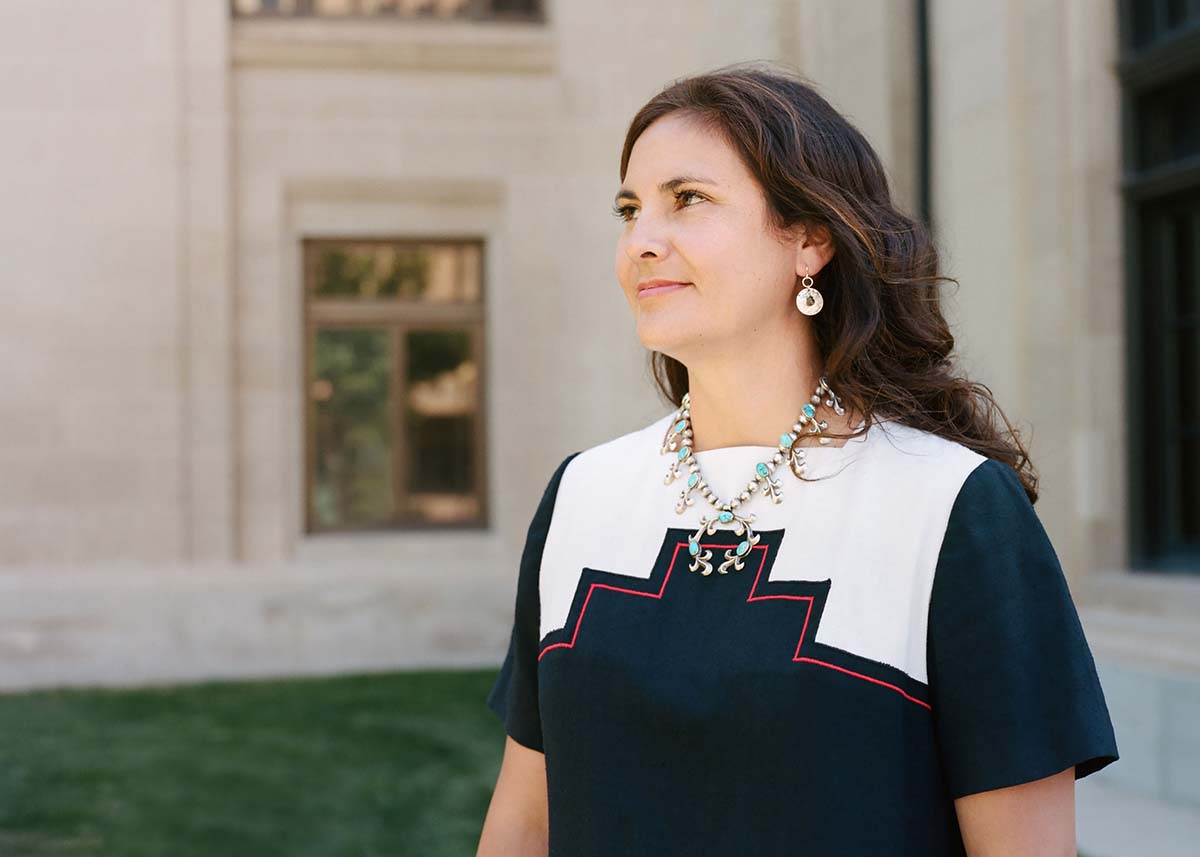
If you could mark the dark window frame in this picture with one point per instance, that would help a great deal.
(397, 317)
(1159, 44)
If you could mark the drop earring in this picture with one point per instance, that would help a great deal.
(808, 299)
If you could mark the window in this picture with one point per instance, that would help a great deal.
(478, 10)
(394, 406)
(1160, 91)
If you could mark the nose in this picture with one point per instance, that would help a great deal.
(644, 240)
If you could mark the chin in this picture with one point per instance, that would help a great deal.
(658, 335)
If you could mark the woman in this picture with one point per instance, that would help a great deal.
(839, 628)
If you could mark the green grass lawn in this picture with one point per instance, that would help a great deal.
(395, 764)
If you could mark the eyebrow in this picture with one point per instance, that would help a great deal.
(666, 187)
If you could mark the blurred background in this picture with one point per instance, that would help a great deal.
(303, 300)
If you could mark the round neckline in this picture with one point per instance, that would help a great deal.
(822, 450)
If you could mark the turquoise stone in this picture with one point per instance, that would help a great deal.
(681, 425)
(786, 439)
(693, 479)
(725, 517)
(742, 548)
(762, 469)
(693, 548)
(683, 453)
(808, 409)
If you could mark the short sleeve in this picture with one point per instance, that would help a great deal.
(1012, 682)
(514, 696)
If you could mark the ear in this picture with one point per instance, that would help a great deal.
(814, 249)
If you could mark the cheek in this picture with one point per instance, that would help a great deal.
(743, 295)
(624, 268)
(746, 271)
(718, 266)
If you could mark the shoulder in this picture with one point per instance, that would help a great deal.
(628, 453)
(925, 448)
(992, 515)
(917, 470)
(972, 487)
(599, 475)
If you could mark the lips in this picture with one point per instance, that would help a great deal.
(649, 288)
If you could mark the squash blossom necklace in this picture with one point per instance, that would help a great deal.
(679, 437)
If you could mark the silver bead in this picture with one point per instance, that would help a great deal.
(778, 457)
(745, 495)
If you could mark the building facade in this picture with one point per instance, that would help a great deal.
(306, 298)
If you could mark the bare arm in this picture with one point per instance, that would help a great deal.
(517, 822)
(1035, 819)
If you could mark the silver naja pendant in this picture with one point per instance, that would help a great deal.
(734, 557)
(678, 440)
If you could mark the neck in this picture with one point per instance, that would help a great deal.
(738, 402)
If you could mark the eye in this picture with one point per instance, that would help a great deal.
(625, 212)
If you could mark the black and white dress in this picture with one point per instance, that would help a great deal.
(901, 636)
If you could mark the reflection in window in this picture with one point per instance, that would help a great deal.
(441, 410)
(352, 481)
(395, 429)
(433, 273)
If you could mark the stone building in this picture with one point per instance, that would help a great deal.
(303, 300)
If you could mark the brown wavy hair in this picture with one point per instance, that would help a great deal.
(885, 344)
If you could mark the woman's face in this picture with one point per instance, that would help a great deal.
(694, 214)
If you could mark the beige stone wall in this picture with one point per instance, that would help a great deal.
(165, 163)
(93, 409)
(116, 442)
(526, 156)
(168, 163)
(160, 164)
(1026, 153)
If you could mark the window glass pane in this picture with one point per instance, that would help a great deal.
(415, 8)
(270, 7)
(352, 480)
(465, 9)
(440, 406)
(422, 272)
(1186, 223)
(1189, 481)
(1169, 122)
(1181, 236)
(1158, 20)
(516, 8)
(1169, 453)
